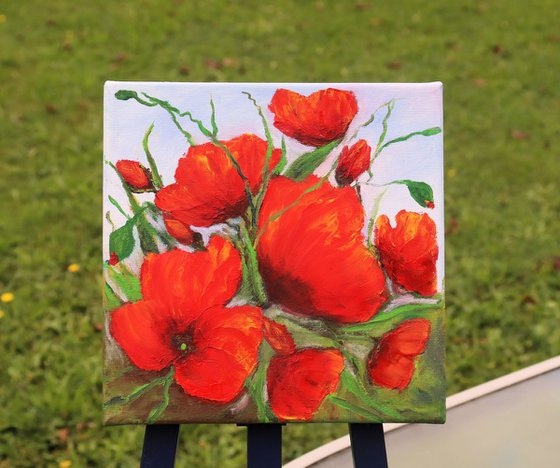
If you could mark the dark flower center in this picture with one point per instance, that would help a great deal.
(183, 342)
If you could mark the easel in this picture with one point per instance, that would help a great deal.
(264, 446)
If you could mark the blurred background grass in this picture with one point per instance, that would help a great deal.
(499, 64)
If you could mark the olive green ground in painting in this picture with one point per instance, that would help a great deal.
(502, 107)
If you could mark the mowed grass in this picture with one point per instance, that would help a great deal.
(502, 108)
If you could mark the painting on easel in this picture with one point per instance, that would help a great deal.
(273, 252)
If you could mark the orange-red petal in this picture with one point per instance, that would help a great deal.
(391, 365)
(409, 251)
(226, 343)
(312, 257)
(187, 283)
(183, 233)
(208, 188)
(313, 120)
(278, 337)
(142, 331)
(298, 383)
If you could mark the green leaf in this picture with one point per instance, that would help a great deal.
(402, 312)
(111, 299)
(357, 388)
(283, 160)
(121, 240)
(428, 132)
(127, 282)
(126, 94)
(308, 162)
(420, 191)
(354, 409)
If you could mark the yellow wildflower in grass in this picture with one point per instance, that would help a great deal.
(73, 268)
(3, 18)
(2, 314)
(7, 297)
(65, 464)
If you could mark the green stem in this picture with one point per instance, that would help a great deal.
(213, 119)
(115, 203)
(371, 119)
(385, 126)
(354, 408)
(156, 178)
(139, 391)
(172, 111)
(159, 409)
(266, 168)
(253, 266)
(371, 224)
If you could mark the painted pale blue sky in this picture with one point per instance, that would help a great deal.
(417, 107)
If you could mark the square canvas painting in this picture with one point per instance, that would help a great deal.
(273, 252)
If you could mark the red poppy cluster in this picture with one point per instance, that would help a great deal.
(308, 242)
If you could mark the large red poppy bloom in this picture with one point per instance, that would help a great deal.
(312, 257)
(353, 162)
(391, 365)
(313, 120)
(182, 321)
(409, 251)
(208, 188)
(298, 383)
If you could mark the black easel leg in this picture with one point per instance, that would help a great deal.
(264, 445)
(160, 445)
(368, 445)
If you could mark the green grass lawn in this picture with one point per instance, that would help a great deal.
(498, 61)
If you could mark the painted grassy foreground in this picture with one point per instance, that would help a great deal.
(502, 105)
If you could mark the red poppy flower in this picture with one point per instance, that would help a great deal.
(409, 251)
(312, 257)
(391, 365)
(135, 175)
(182, 321)
(353, 162)
(208, 188)
(184, 234)
(278, 337)
(298, 383)
(313, 120)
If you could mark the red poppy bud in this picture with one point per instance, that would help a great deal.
(278, 337)
(135, 175)
(113, 259)
(353, 162)
(313, 120)
(183, 233)
(391, 364)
